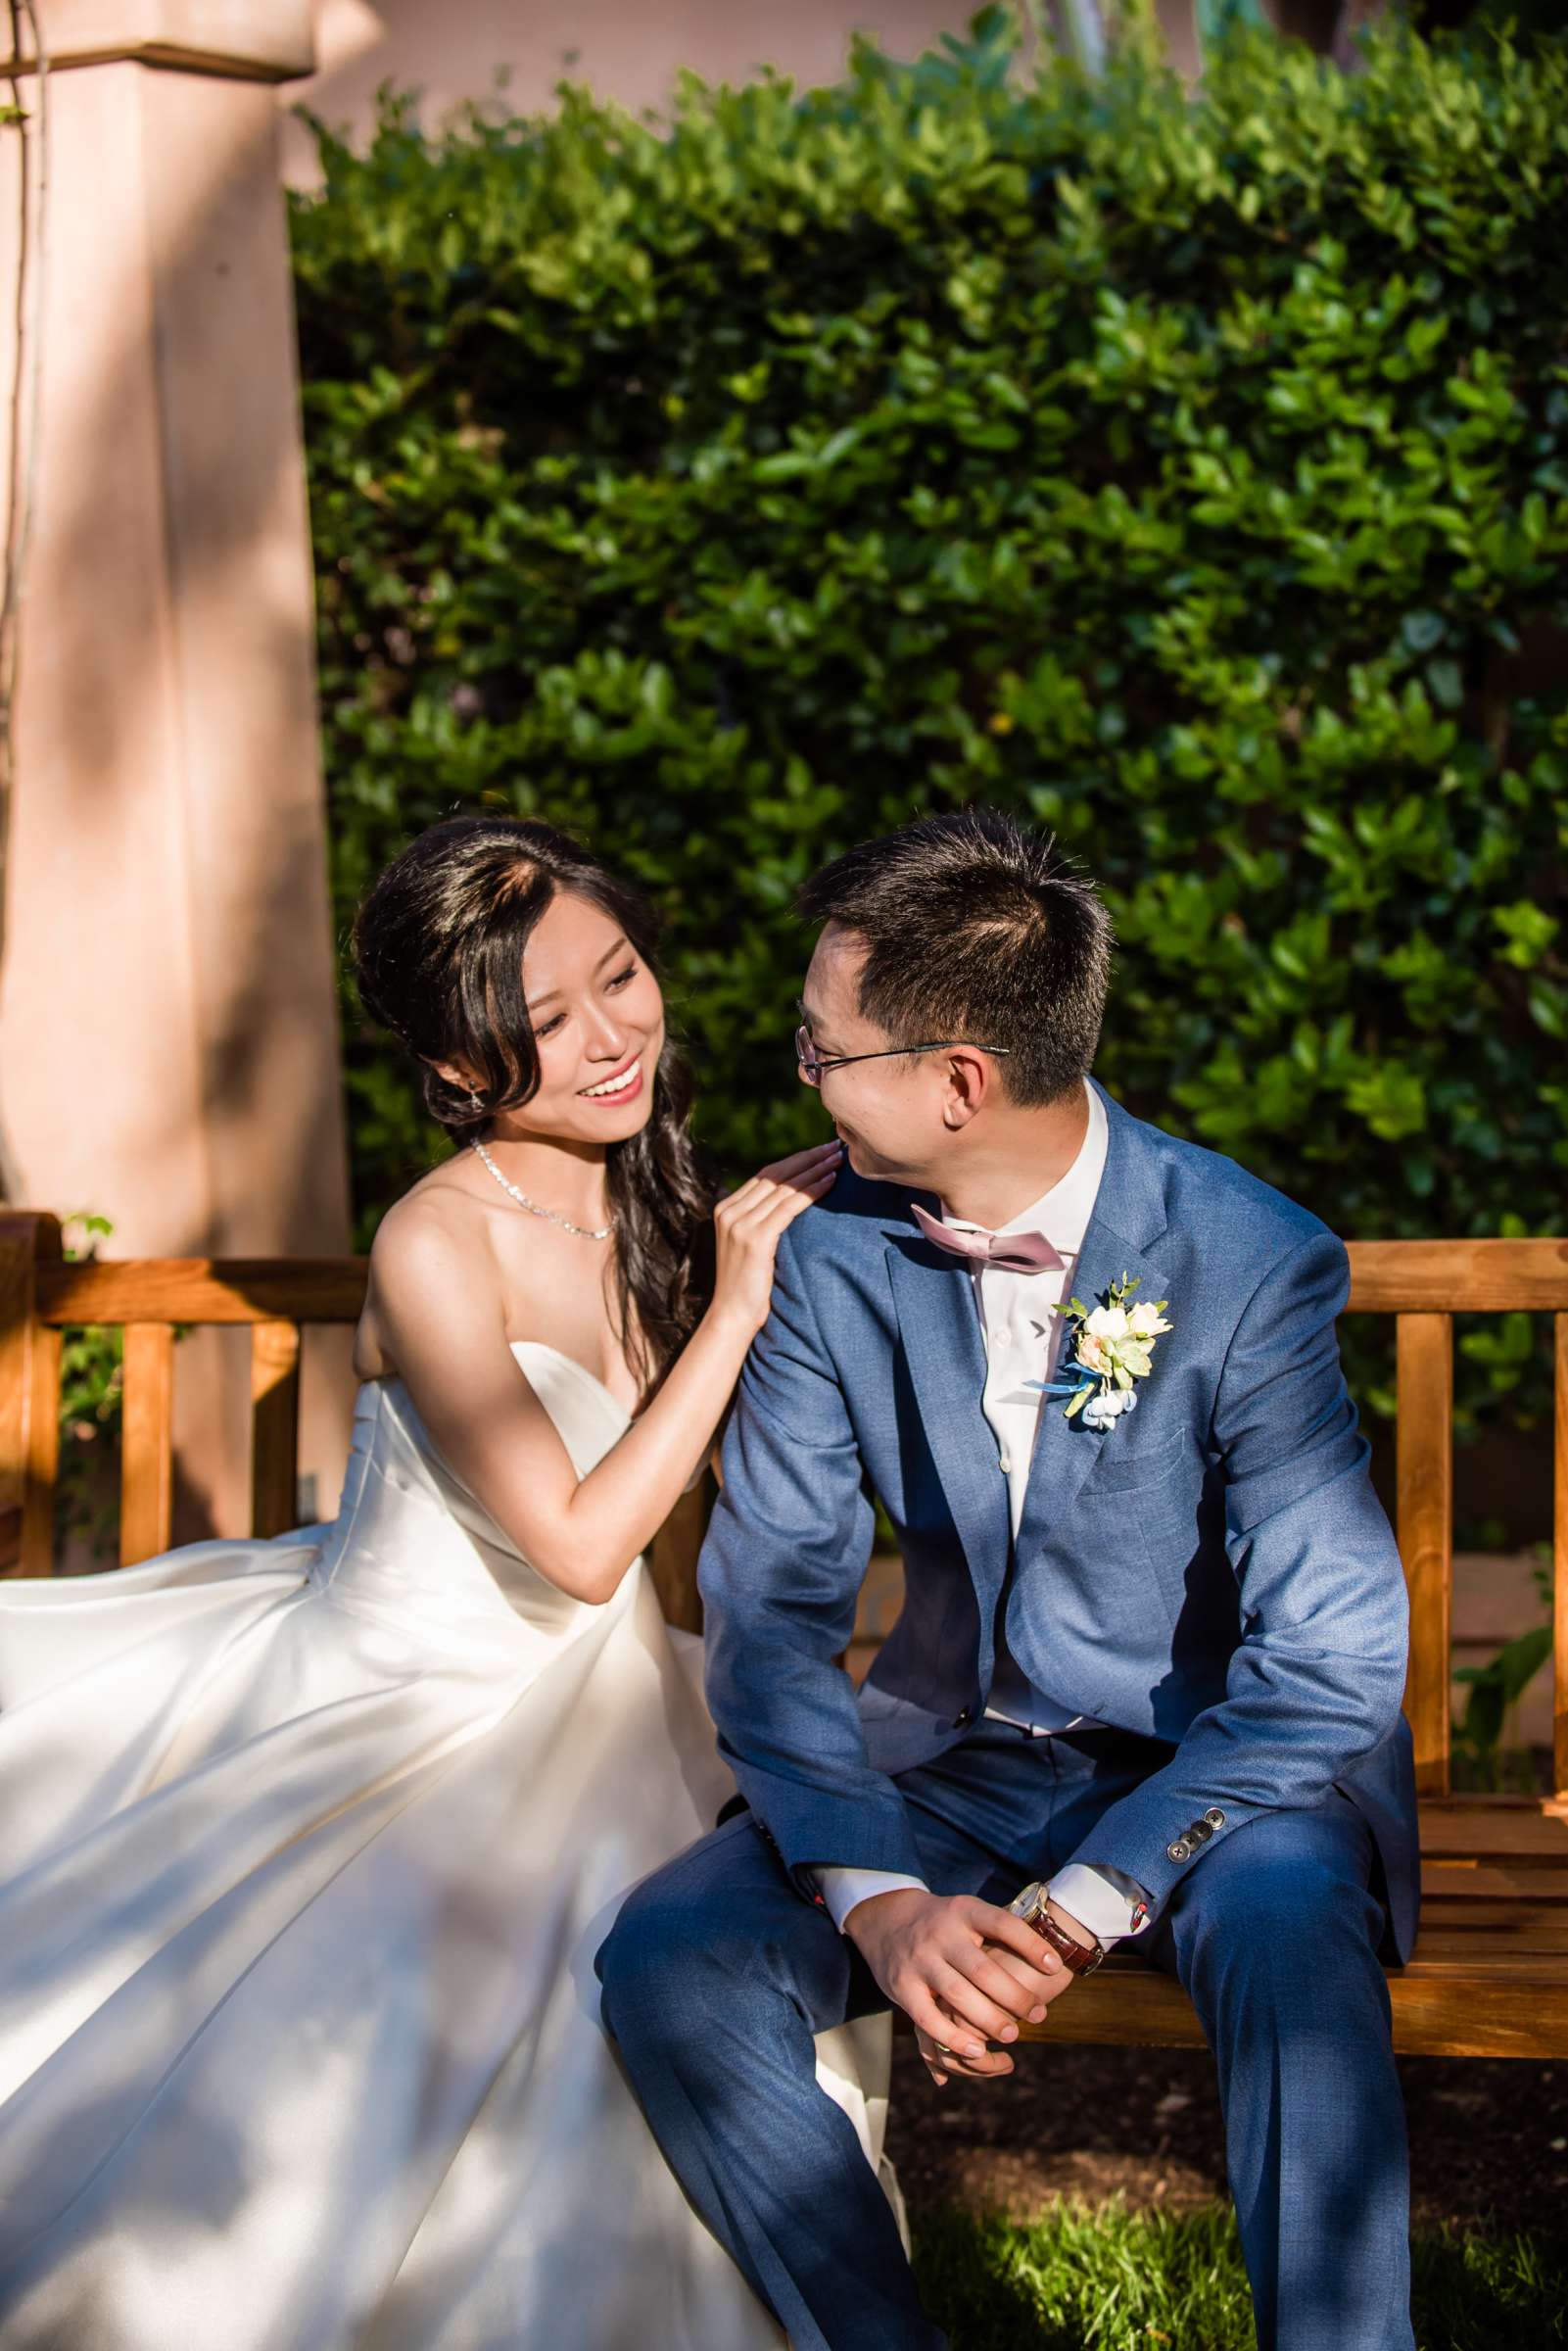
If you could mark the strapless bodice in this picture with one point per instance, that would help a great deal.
(410, 1540)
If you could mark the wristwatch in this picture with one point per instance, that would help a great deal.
(1079, 1958)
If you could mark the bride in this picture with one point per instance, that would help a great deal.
(306, 1846)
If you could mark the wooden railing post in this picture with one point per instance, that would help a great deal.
(29, 1393)
(1559, 1573)
(1424, 1455)
(274, 1427)
(147, 1443)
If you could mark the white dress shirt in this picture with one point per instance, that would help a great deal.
(1023, 1340)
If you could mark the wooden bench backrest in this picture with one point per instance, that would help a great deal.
(1423, 1284)
(150, 1299)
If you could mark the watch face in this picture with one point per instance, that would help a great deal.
(1030, 1904)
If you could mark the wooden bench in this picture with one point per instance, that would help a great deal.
(1490, 1976)
(150, 1300)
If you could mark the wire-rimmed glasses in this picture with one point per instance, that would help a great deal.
(812, 1063)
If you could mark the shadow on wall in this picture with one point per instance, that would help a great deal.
(167, 1009)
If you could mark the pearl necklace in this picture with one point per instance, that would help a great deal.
(582, 1232)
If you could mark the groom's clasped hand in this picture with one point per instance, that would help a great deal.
(962, 1971)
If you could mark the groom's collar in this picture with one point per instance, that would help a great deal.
(1063, 1208)
(1130, 1201)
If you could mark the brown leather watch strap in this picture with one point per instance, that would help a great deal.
(1079, 1958)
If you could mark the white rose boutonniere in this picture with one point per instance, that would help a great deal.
(1113, 1348)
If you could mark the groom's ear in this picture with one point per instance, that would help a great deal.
(969, 1080)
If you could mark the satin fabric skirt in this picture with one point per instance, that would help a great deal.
(300, 2043)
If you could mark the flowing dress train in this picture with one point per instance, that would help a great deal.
(305, 1850)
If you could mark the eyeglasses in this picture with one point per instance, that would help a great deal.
(812, 1065)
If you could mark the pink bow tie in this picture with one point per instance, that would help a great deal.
(1011, 1252)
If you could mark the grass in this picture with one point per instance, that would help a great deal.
(1110, 2280)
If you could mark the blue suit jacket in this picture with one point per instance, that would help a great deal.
(1213, 1569)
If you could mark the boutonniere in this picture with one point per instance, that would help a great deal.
(1113, 1347)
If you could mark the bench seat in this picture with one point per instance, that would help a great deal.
(1489, 1974)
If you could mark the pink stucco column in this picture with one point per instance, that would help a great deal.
(168, 1037)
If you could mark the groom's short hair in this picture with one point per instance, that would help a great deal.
(975, 931)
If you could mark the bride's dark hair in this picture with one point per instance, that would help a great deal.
(439, 945)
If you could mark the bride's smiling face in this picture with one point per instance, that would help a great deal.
(597, 1017)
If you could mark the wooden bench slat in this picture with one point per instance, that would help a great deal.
(1520, 1923)
(30, 1389)
(1529, 1894)
(1472, 1959)
(1462, 2013)
(1480, 1881)
(147, 1459)
(1458, 1277)
(18, 1282)
(274, 1427)
(204, 1289)
(1511, 1829)
(1424, 1463)
(42, 1455)
(1560, 1661)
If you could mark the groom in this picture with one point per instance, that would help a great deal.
(1152, 1652)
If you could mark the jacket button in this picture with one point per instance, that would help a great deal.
(1179, 1850)
(962, 1718)
(1214, 1817)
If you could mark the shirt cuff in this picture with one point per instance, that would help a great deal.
(843, 1888)
(1105, 1900)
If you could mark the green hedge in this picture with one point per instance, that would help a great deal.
(1194, 476)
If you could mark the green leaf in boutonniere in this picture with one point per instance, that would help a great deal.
(1113, 1348)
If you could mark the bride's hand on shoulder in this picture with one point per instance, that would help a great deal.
(749, 1224)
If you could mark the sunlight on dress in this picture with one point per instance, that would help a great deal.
(308, 1847)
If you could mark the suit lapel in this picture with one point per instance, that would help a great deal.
(940, 1329)
(1128, 1218)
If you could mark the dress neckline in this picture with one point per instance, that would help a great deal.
(543, 1347)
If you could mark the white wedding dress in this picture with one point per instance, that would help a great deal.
(305, 1850)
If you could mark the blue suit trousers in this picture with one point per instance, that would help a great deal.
(717, 1974)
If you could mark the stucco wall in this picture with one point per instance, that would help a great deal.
(626, 49)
